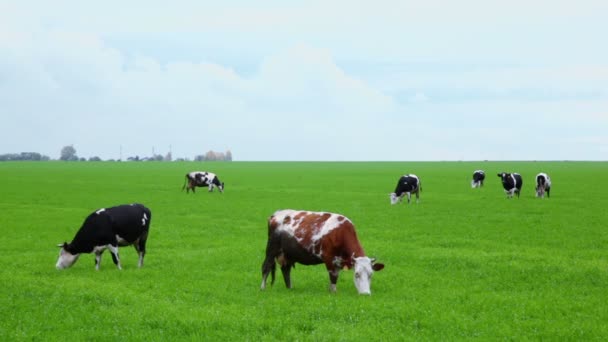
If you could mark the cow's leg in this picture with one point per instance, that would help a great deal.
(140, 247)
(114, 252)
(268, 267)
(273, 250)
(98, 260)
(286, 270)
(418, 195)
(333, 278)
(211, 187)
(409, 197)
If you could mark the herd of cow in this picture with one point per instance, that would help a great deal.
(294, 236)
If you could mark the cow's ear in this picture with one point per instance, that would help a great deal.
(377, 267)
(61, 245)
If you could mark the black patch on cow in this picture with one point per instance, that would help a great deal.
(406, 184)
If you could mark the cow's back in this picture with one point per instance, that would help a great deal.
(129, 221)
(310, 237)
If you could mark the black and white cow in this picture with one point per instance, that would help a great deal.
(407, 184)
(511, 182)
(200, 179)
(543, 184)
(109, 228)
(478, 177)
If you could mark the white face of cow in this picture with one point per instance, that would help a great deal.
(364, 269)
(394, 198)
(66, 259)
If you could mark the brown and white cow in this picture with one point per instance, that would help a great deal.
(312, 238)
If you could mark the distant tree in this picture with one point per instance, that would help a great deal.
(95, 159)
(228, 156)
(168, 157)
(68, 153)
(27, 156)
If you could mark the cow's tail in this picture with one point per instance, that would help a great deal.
(185, 182)
(273, 250)
(269, 266)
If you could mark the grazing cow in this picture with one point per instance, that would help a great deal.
(511, 182)
(478, 177)
(312, 238)
(109, 228)
(202, 178)
(543, 184)
(407, 184)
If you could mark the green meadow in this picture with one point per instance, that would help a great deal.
(462, 264)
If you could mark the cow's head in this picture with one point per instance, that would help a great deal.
(540, 191)
(364, 269)
(394, 198)
(66, 258)
(221, 186)
(503, 176)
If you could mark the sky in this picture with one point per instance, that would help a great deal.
(312, 80)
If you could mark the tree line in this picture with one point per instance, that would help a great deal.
(68, 153)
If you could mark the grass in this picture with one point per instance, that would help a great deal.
(464, 263)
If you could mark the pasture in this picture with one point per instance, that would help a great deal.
(463, 263)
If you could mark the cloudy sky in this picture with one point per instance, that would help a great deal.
(306, 80)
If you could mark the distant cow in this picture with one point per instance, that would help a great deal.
(543, 184)
(511, 182)
(478, 177)
(407, 184)
(109, 228)
(312, 238)
(200, 179)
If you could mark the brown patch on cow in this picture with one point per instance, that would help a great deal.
(287, 220)
(300, 215)
(341, 218)
(309, 225)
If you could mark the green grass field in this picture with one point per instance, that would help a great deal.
(463, 263)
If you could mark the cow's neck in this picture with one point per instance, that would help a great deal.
(352, 248)
(77, 247)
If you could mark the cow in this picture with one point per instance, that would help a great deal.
(478, 177)
(511, 182)
(200, 179)
(312, 238)
(543, 184)
(109, 228)
(407, 184)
